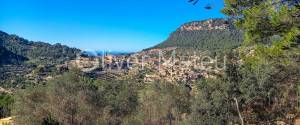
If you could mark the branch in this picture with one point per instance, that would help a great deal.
(238, 109)
(193, 1)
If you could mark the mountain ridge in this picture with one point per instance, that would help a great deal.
(210, 34)
(37, 52)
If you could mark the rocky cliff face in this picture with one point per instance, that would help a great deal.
(211, 24)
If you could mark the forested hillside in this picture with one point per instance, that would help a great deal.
(212, 34)
(7, 57)
(15, 49)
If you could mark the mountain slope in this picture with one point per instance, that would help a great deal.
(7, 57)
(212, 34)
(15, 49)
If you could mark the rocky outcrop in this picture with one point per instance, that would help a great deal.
(211, 24)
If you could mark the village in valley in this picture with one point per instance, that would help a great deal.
(159, 66)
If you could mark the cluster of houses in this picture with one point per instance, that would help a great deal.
(171, 69)
(183, 71)
(177, 69)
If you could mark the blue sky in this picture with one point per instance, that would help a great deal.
(127, 25)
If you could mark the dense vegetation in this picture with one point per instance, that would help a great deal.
(214, 39)
(84, 101)
(7, 57)
(6, 102)
(15, 50)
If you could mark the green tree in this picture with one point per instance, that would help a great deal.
(211, 105)
(162, 103)
(28, 107)
(270, 54)
(120, 100)
(6, 103)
